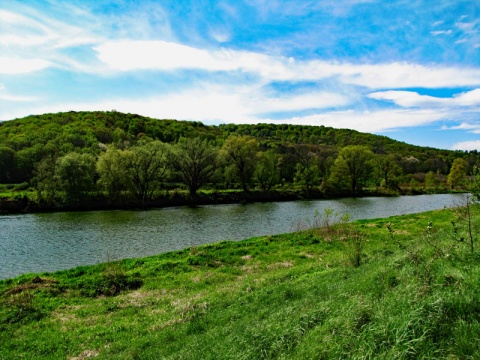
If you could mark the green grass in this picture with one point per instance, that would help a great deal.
(317, 294)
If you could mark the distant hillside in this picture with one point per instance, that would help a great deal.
(84, 129)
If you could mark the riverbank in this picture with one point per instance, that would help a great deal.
(28, 202)
(381, 288)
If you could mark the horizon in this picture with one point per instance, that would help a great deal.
(408, 71)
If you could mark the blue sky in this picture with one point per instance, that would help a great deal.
(407, 69)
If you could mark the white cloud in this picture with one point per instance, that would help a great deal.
(22, 31)
(467, 27)
(471, 128)
(315, 100)
(414, 99)
(220, 105)
(211, 103)
(12, 98)
(38, 41)
(33, 41)
(467, 145)
(402, 75)
(369, 121)
(441, 32)
(9, 65)
(129, 55)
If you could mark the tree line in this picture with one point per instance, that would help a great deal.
(142, 171)
(71, 155)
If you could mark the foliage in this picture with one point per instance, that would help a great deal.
(7, 164)
(147, 166)
(457, 172)
(311, 161)
(431, 180)
(112, 168)
(352, 167)
(387, 169)
(195, 161)
(307, 172)
(266, 173)
(241, 151)
(75, 173)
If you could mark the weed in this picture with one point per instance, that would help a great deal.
(464, 214)
(355, 247)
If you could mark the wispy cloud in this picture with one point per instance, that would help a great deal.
(441, 32)
(414, 99)
(473, 128)
(167, 56)
(11, 65)
(39, 30)
(13, 98)
(371, 121)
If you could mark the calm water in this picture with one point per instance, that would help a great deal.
(48, 242)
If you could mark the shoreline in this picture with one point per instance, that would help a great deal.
(24, 205)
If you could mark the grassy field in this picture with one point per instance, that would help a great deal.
(399, 288)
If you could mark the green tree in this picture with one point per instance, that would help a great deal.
(241, 152)
(26, 159)
(76, 174)
(307, 170)
(386, 169)
(431, 180)
(147, 166)
(266, 173)
(353, 167)
(112, 168)
(7, 164)
(457, 174)
(45, 180)
(195, 161)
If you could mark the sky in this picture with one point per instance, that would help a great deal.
(407, 69)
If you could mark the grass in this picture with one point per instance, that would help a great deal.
(352, 291)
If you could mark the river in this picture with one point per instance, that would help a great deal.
(55, 241)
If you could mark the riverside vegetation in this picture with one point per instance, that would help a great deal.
(90, 160)
(398, 288)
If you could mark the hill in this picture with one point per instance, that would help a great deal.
(87, 129)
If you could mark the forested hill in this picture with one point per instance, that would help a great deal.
(71, 130)
(25, 142)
